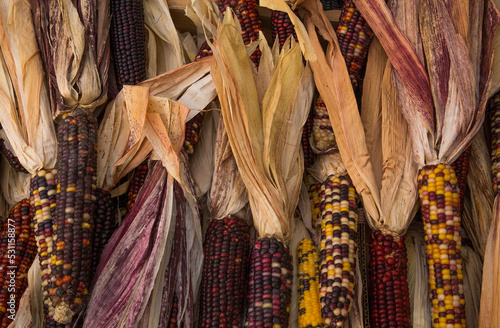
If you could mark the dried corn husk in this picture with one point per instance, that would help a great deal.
(355, 318)
(478, 210)
(264, 128)
(74, 42)
(495, 75)
(472, 284)
(25, 112)
(206, 16)
(15, 185)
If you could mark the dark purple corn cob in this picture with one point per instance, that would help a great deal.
(204, 51)
(128, 41)
(461, 167)
(495, 140)
(76, 178)
(226, 257)
(136, 183)
(354, 37)
(390, 298)
(332, 4)
(269, 284)
(309, 155)
(104, 218)
(11, 158)
(172, 322)
(282, 27)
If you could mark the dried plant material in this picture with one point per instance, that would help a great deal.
(417, 280)
(495, 74)
(472, 284)
(355, 319)
(74, 43)
(165, 50)
(15, 185)
(479, 199)
(26, 113)
(265, 139)
(206, 16)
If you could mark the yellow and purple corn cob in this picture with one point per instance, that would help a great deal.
(226, 257)
(440, 206)
(128, 41)
(308, 280)
(331, 4)
(192, 133)
(17, 252)
(461, 167)
(495, 140)
(136, 184)
(322, 127)
(74, 224)
(104, 219)
(390, 298)
(11, 158)
(354, 37)
(281, 27)
(269, 285)
(338, 248)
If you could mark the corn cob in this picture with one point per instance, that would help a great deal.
(17, 252)
(338, 248)
(281, 27)
(390, 306)
(204, 51)
(172, 323)
(495, 140)
(354, 36)
(11, 158)
(74, 224)
(313, 190)
(128, 41)
(226, 250)
(331, 4)
(308, 279)
(136, 183)
(269, 284)
(461, 167)
(322, 127)
(309, 155)
(104, 218)
(192, 134)
(440, 206)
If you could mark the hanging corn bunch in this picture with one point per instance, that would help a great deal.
(270, 167)
(442, 82)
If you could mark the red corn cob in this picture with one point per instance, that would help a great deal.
(282, 27)
(461, 167)
(204, 51)
(11, 158)
(172, 323)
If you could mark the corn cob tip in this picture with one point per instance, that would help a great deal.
(63, 313)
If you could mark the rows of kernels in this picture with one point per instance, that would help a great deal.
(440, 206)
(17, 234)
(322, 127)
(226, 257)
(73, 230)
(331, 4)
(495, 140)
(338, 248)
(308, 281)
(43, 199)
(461, 168)
(192, 134)
(269, 289)
(354, 36)
(105, 225)
(390, 299)
(11, 158)
(136, 184)
(172, 322)
(314, 189)
(281, 27)
(128, 41)
(204, 51)
(309, 155)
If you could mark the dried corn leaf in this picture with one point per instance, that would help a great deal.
(355, 318)
(265, 141)
(15, 185)
(206, 16)
(472, 284)
(25, 114)
(495, 76)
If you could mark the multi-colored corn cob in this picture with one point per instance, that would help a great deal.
(332, 4)
(74, 225)
(308, 279)
(281, 27)
(128, 41)
(172, 322)
(269, 284)
(192, 134)
(322, 127)
(354, 37)
(204, 51)
(11, 158)
(440, 206)
(226, 257)
(495, 140)
(314, 190)
(338, 248)
(104, 218)
(17, 252)
(136, 183)
(390, 298)
(461, 168)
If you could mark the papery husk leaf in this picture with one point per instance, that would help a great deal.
(334, 86)
(472, 284)
(474, 41)
(371, 115)
(299, 234)
(206, 15)
(495, 75)
(304, 207)
(355, 317)
(157, 18)
(202, 163)
(300, 30)
(26, 113)
(272, 186)
(478, 209)
(15, 185)
(459, 12)
(228, 194)
(417, 280)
